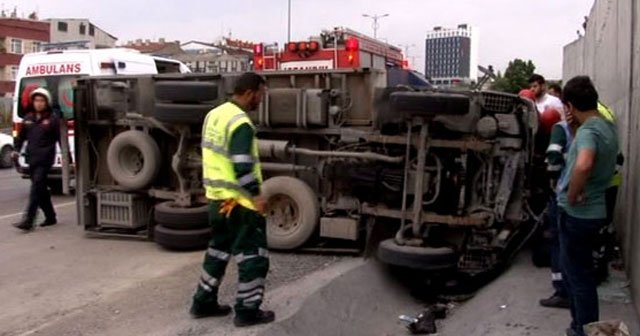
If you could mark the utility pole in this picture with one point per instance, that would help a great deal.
(289, 24)
(376, 25)
(406, 48)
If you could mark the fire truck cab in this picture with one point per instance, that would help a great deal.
(340, 48)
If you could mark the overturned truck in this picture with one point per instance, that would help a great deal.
(342, 153)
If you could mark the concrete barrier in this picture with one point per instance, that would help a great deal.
(610, 53)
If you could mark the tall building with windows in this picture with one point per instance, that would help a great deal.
(18, 37)
(451, 55)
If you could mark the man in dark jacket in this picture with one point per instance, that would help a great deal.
(41, 130)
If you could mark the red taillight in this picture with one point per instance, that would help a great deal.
(405, 64)
(71, 124)
(352, 44)
(257, 49)
(350, 58)
(292, 47)
(17, 127)
(314, 46)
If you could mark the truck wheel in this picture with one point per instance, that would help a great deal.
(181, 240)
(182, 113)
(292, 212)
(172, 216)
(414, 257)
(5, 157)
(186, 92)
(133, 159)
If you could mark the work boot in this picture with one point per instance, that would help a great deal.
(556, 301)
(24, 226)
(49, 222)
(210, 311)
(570, 332)
(259, 317)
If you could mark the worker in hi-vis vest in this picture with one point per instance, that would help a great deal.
(607, 240)
(232, 180)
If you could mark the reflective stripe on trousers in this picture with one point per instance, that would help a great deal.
(264, 253)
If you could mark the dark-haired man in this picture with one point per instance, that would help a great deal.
(232, 180)
(555, 90)
(544, 101)
(590, 166)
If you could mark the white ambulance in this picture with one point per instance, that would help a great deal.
(57, 71)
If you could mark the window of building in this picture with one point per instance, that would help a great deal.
(83, 29)
(63, 26)
(92, 30)
(14, 72)
(36, 46)
(16, 46)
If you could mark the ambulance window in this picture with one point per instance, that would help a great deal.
(65, 96)
(167, 66)
(60, 87)
(26, 86)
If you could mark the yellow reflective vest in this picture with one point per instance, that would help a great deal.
(608, 114)
(219, 178)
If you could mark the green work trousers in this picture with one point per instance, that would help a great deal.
(241, 235)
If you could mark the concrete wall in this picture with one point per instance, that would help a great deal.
(609, 53)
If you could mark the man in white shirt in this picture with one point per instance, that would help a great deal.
(544, 100)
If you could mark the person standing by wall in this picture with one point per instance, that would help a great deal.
(555, 90)
(582, 206)
(543, 100)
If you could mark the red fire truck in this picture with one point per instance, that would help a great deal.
(334, 49)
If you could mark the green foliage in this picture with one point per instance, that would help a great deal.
(516, 77)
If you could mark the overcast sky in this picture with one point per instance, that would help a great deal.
(535, 30)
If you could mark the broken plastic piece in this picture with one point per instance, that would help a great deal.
(425, 323)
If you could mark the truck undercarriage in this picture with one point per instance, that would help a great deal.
(341, 150)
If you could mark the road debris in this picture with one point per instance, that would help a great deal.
(425, 322)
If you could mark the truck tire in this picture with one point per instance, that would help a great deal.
(172, 216)
(133, 159)
(181, 240)
(414, 257)
(5, 157)
(429, 104)
(186, 91)
(292, 212)
(182, 113)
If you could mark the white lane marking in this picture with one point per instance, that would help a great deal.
(61, 205)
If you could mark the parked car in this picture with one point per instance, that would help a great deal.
(6, 148)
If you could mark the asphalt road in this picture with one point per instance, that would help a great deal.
(56, 281)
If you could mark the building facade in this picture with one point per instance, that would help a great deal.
(18, 37)
(78, 34)
(225, 56)
(451, 55)
(160, 48)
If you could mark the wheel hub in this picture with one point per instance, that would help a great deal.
(131, 160)
(283, 215)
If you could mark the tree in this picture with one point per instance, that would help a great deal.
(516, 77)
